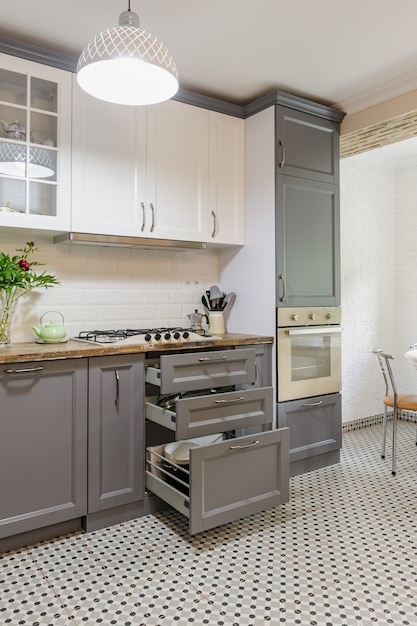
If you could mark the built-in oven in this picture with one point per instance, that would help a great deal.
(309, 360)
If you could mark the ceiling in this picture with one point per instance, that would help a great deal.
(343, 54)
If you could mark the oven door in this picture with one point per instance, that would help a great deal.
(309, 361)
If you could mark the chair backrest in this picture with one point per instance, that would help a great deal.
(385, 365)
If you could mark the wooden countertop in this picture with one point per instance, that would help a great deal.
(21, 352)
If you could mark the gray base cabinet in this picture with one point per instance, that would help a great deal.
(315, 428)
(43, 444)
(115, 431)
(228, 476)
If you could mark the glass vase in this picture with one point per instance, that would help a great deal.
(7, 308)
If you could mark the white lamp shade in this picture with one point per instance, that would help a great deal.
(13, 161)
(127, 65)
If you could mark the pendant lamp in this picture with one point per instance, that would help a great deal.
(127, 65)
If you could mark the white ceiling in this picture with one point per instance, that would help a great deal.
(347, 54)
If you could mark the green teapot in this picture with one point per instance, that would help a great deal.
(51, 332)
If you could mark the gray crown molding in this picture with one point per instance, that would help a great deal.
(293, 102)
(37, 54)
(63, 62)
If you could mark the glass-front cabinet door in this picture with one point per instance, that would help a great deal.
(35, 145)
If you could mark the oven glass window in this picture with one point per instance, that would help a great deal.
(310, 357)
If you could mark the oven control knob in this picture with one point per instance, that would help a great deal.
(167, 336)
(177, 335)
(157, 336)
(294, 317)
(185, 334)
(312, 316)
(148, 337)
(329, 315)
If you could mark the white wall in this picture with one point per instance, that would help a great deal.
(112, 287)
(379, 295)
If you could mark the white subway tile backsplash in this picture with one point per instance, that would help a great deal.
(116, 287)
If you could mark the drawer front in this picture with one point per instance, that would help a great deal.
(209, 414)
(229, 480)
(202, 370)
(315, 425)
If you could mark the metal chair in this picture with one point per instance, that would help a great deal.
(397, 401)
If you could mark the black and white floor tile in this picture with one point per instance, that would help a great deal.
(342, 552)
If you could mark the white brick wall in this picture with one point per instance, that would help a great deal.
(379, 262)
(112, 287)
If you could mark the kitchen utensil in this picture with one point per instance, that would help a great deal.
(215, 297)
(228, 304)
(196, 320)
(216, 323)
(51, 332)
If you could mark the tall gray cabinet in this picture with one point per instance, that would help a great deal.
(291, 255)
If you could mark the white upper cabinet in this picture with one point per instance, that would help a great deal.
(157, 172)
(103, 167)
(35, 145)
(226, 179)
(172, 172)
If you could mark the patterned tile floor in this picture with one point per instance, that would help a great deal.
(341, 552)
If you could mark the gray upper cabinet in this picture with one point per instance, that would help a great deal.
(307, 217)
(306, 145)
(43, 449)
(115, 431)
(307, 242)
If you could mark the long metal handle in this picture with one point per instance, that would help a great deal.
(228, 401)
(250, 445)
(281, 163)
(153, 217)
(314, 330)
(206, 358)
(214, 233)
(116, 373)
(284, 288)
(307, 404)
(143, 217)
(24, 370)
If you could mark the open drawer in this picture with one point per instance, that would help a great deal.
(213, 413)
(201, 370)
(225, 481)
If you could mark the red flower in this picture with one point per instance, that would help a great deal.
(24, 264)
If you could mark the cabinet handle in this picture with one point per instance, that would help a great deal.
(153, 217)
(214, 233)
(281, 145)
(312, 404)
(206, 358)
(228, 401)
(249, 445)
(143, 217)
(24, 370)
(116, 373)
(284, 288)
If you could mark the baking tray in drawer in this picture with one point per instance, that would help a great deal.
(213, 413)
(227, 480)
(201, 370)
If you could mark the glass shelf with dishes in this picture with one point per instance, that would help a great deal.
(35, 133)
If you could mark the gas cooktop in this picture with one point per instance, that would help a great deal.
(142, 336)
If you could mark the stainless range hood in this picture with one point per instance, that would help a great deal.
(88, 239)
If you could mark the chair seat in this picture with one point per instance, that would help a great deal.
(405, 401)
